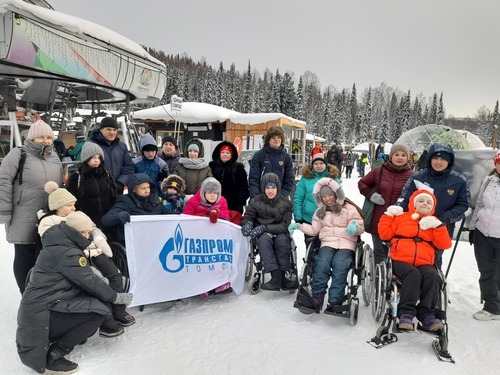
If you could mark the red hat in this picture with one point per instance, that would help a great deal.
(226, 148)
(496, 159)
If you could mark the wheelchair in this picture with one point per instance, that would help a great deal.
(120, 260)
(254, 273)
(386, 290)
(360, 275)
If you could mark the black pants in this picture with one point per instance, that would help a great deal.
(68, 330)
(380, 250)
(487, 252)
(110, 271)
(422, 283)
(24, 260)
(275, 252)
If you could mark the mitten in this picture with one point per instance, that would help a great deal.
(429, 222)
(376, 198)
(471, 236)
(102, 244)
(258, 231)
(292, 227)
(213, 215)
(394, 211)
(246, 229)
(123, 299)
(352, 228)
(123, 217)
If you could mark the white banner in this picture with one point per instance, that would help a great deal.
(177, 256)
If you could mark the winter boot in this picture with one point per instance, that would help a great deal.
(274, 283)
(431, 323)
(287, 284)
(110, 328)
(57, 364)
(318, 299)
(125, 320)
(406, 322)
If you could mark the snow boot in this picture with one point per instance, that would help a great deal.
(287, 284)
(318, 299)
(110, 328)
(57, 364)
(431, 323)
(274, 283)
(406, 322)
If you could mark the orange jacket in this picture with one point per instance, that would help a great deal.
(409, 243)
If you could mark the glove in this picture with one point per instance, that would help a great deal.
(123, 299)
(471, 236)
(376, 198)
(429, 222)
(246, 229)
(102, 244)
(123, 217)
(213, 215)
(394, 211)
(352, 228)
(292, 227)
(258, 231)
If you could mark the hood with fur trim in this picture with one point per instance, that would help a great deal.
(332, 184)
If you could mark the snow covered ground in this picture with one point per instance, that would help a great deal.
(263, 333)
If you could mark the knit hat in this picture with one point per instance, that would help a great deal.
(443, 154)
(318, 157)
(419, 194)
(193, 146)
(40, 129)
(90, 149)
(270, 178)
(423, 195)
(169, 138)
(79, 221)
(226, 148)
(399, 147)
(58, 197)
(173, 181)
(210, 184)
(496, 159)
(108, 122)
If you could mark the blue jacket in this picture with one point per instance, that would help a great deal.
(269, 160)
(117, 160)
(450, 188)
(157, 168)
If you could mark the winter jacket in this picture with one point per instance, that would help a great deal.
(486, 217)
(350, 159)
(196, 206)
(193, 171)
(449, 187)
(94, 190)
(304, 204)
(61, 281)
(157, 168)
(334, 156)
(331, 228)
(117, 160)
(404, 229)
(232, 177)
(171, 160)
(20, 202)
(134, 205)
(387, 180)
(275, 214)
(277, 161)
(76, 152)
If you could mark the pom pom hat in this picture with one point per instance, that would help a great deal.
(79, 221)
(39, 129)
(413, 200)
(58, 197)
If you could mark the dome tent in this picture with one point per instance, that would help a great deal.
(421, 137)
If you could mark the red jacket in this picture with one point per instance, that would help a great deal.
(402, 232)
(196, 207)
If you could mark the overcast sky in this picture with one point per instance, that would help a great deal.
(426, 46)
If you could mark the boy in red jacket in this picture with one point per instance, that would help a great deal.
(415, 235)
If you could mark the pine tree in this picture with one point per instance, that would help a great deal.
(247, 98)
(433, 111)
(299, 109)
(440, 111)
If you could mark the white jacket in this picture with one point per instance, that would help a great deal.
(486, 217)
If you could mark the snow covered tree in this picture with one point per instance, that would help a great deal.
(247, 97)
(440, 111)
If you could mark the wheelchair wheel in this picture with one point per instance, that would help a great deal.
(254, 284)
(353, 311)
(249, 269)
(367, 274)
(120, 260)
(379, 290)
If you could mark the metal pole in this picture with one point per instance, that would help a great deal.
(457, 239)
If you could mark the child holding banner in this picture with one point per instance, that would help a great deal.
(209, 202)
(266, 221)
(172, 197)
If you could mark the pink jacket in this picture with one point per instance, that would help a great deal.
(332, 228)
(196, 207)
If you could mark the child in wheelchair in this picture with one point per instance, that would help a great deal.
(266, 222)
(414, 236)
(338, 222)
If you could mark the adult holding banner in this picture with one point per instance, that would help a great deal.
(381, 188)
